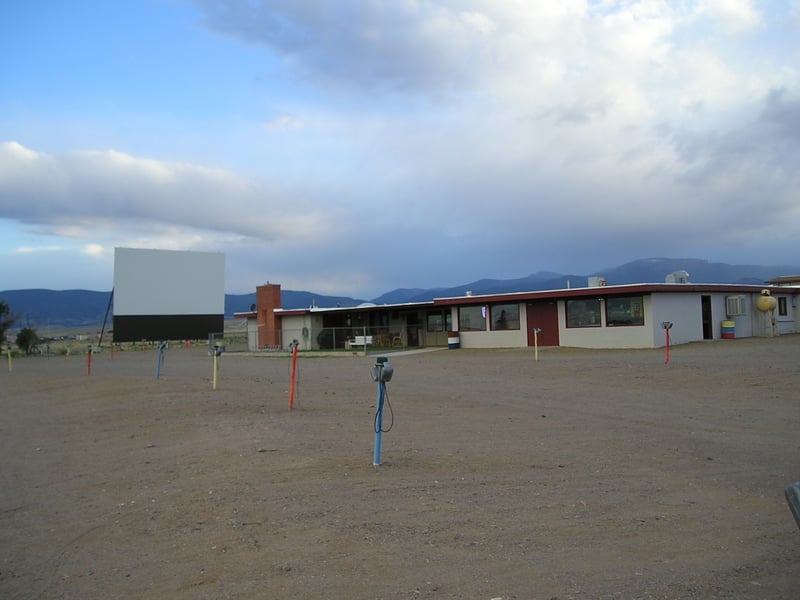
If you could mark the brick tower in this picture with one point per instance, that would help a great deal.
(268, 297)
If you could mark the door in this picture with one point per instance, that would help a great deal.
(412, 329)
(543, 315)
(708, 323)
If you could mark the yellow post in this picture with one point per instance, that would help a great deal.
(214, 380)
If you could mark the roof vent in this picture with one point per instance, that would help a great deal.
(678, 277)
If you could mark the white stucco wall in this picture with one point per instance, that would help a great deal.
(685, 312)
(788, 323)
(494, 339)
(683, 308)
(743, 323)
(514, 338)
(781, 324)
(303, 328)
(252, 335)
(606, 337)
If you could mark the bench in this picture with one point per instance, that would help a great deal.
(359, 340)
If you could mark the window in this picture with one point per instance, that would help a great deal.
(472, 318)
(782, 308)
(435, 322)
(624, 311)
(734, 306)
(505, 316)
(583, 313)
(440, 321)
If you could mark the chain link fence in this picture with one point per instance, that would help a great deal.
(338, 339)
(234, 338)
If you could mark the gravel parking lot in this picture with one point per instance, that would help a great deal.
(586, 474)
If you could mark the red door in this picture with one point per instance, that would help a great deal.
(543, 315)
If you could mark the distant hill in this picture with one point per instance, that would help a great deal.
(49, 308)
(238, 303)
(542, 280)
(653, 270)
(81, 308)
(646, 270)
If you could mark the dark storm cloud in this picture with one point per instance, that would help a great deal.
(360, 45)
(782, 111)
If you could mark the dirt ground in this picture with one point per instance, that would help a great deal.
(585, 474)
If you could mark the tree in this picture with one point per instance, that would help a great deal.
(6, 320)
(27, 338)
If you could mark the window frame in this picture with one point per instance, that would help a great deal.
(635, 321)
(434, 315)
(446, 317)
(470, 308)
(585, 301)
(512, 324)
(783, 306)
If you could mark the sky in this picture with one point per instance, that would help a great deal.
(354, 147)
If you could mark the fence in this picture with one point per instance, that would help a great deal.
(345, 339)
(234, 338)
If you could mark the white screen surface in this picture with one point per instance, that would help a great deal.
(168, 282)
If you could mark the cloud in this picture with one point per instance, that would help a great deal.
(390, 46)
(32, 249)
(284, 122)
(733, 16)
(82, 193)
(431, 142)
(782, 112)
(94, 250)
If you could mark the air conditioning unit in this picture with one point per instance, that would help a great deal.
(677, 277)
(596, 281)
(734, 306)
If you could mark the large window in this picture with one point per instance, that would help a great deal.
(505, 316)
(583, 313)
(439, 321)
(472, 318)
(624, 311)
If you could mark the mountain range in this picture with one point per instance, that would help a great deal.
(40, 308)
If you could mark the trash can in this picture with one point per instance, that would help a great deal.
(728, 330)
(453, 340)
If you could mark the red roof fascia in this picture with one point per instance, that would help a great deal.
(291, 312)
